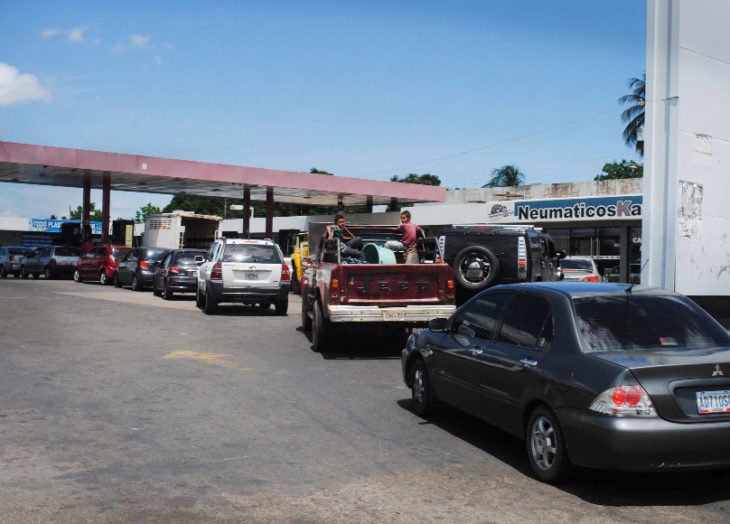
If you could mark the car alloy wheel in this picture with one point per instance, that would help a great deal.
(420, 391)
(103, 279)
(135, 283)
(545, 447)
(77, 276)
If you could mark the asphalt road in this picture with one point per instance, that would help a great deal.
(117, 406)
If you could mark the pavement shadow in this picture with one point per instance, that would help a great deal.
(606, 488)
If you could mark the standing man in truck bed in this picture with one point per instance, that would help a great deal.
(410, 237)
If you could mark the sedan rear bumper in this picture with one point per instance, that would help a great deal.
(643, 444)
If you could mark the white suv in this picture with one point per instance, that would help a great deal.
(246, 271)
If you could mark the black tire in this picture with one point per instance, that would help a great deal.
(476, 267)
(198, 298)
(281, 306)
(421, 389)
(321, 329)
(306, 321)
(77, 276)
(546, 451)
(3, 271)
(166, 293)
(24, 272)
(47, 273)
(296, 286)
(117, 281)
(36, 275)
(103, 279)
(156, 292)
(135, 284)
(210, 305)
(16, 274)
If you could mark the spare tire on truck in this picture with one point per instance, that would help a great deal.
(476, 267)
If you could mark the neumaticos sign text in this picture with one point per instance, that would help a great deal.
(623, 207)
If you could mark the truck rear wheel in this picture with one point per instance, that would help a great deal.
(476, 267)
(320, 329)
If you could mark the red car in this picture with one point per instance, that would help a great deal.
(100, 263)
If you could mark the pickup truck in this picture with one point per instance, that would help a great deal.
(381, 296)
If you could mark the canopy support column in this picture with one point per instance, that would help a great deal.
(269, 212)
(246, 233)
(106, 200)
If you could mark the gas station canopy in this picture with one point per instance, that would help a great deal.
(56, 166)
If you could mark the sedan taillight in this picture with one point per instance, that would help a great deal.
(217, 272)
(285, 273)
(624, 401)
(590, 278)
(173, 270)
(143, 264)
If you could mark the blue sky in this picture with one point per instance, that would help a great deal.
(361, 89)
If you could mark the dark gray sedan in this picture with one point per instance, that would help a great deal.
(178, 272)
(604, 376)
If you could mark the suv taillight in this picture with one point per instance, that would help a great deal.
(217, 272)
(285, 273)
(173, 270)
(144, 264)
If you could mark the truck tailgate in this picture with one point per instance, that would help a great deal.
(384, 285)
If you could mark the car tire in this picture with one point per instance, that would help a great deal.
(24, 272)
(77, 276)
(198, 298)
(3, 271)
(135, 284)
(281, 306)
(210, 305)
(104, 280)
(117, 281)
(321, 329)
(166, 293)
(156, 292)
(546, 451)
(420, 389)
(36, 275)
(480, 260)
(47, 273)
(306, 320)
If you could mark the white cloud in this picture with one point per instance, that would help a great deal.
(49, 33)
(76, 34)
(139, 41)
(17, 87)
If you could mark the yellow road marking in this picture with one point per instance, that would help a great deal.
(216, 359)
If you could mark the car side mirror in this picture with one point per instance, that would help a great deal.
(561, 254)
(199, 259)
(438, 324)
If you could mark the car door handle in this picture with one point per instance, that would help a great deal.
(528, 363)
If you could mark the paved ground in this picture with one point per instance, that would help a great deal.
(118, 406)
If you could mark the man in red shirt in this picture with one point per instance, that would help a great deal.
(410, 237)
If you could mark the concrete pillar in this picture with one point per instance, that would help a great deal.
(369, 204)
(269, 212)
(246, 233)
(106, 200)
(86, 210)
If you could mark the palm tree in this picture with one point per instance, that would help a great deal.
(506, 176)
(633, 115)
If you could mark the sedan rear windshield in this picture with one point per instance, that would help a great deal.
(576, 264)
(67, 252)
(155, 255)
(188, 257)
(119, 252)
(615, 323)
(251, 253)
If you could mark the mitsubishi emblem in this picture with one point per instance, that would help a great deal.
(718, 372)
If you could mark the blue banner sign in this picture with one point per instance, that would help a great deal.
(595, 208)
(52, 225)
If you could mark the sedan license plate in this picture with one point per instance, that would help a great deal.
(394, 315)
(252, 276)
(713, 402)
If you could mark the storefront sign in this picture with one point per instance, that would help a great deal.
(598, 208)
(51, 225)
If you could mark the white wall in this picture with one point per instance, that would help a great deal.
(687, 133)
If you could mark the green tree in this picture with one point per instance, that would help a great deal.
(426, 179)
(623, 169)
(633, 115)
(506, 176)
(94, 214)
(145, 211)
(316, 171)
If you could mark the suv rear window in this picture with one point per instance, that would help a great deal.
(615, 323)
(256, 254)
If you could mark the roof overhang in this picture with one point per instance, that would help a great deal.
(56, 166)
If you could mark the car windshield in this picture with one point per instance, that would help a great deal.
(626, 323)
(188, 257)
(568, 263)
(257, 254)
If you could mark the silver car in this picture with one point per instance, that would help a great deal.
(12, 259)
(580, 269)
(51, 262)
